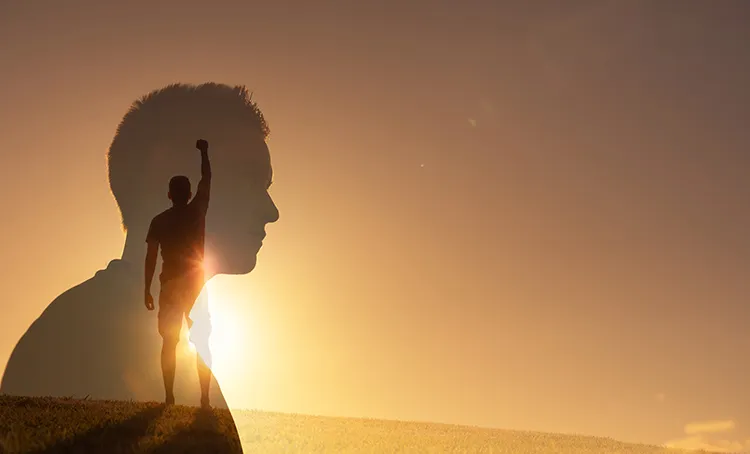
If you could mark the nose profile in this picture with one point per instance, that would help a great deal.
(273, 211)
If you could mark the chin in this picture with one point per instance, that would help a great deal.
(236, 265)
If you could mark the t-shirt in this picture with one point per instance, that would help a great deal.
(180, 231)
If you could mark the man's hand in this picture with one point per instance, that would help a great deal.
(201, 144)
(149, 301)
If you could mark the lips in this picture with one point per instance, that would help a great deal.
(260, 235)
(258, 239)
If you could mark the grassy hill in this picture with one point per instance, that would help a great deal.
(46, 425)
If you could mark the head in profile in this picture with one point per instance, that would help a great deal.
(153, 153)
(96, 338)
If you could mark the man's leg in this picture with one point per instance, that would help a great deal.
(170, 323)
(200, 331)
(204, 375)
(168, 365)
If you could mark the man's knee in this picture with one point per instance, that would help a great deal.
(169, 343)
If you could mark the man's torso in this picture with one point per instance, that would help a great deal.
(181, 235)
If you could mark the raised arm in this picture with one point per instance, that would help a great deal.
(204, 185)
(202, 145)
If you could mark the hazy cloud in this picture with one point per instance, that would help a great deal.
(699, 438)
(709, 427)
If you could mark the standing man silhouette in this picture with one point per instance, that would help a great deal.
(180, 232)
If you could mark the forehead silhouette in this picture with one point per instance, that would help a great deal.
(156, 140)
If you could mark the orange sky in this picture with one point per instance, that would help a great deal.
(528, 216)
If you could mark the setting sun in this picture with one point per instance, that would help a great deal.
(231, 344)
(228, 340)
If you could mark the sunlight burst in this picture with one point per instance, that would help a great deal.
(233, 343)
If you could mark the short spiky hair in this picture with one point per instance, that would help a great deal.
(165, 119)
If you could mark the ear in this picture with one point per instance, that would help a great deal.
(169, 194)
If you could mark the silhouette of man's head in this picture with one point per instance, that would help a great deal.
(179, 190)
(156, 140)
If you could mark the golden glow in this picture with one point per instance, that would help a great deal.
(522, 278)
(231, 344)
(227, 338)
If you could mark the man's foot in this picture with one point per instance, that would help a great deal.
(169, 401)
(205, 404)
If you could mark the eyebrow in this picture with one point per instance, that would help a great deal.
(270, 178)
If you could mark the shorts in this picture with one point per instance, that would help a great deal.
(176, 300)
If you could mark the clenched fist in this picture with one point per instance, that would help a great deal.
(201, 144)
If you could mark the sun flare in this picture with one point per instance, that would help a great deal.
(227, 339)
(230, 343)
